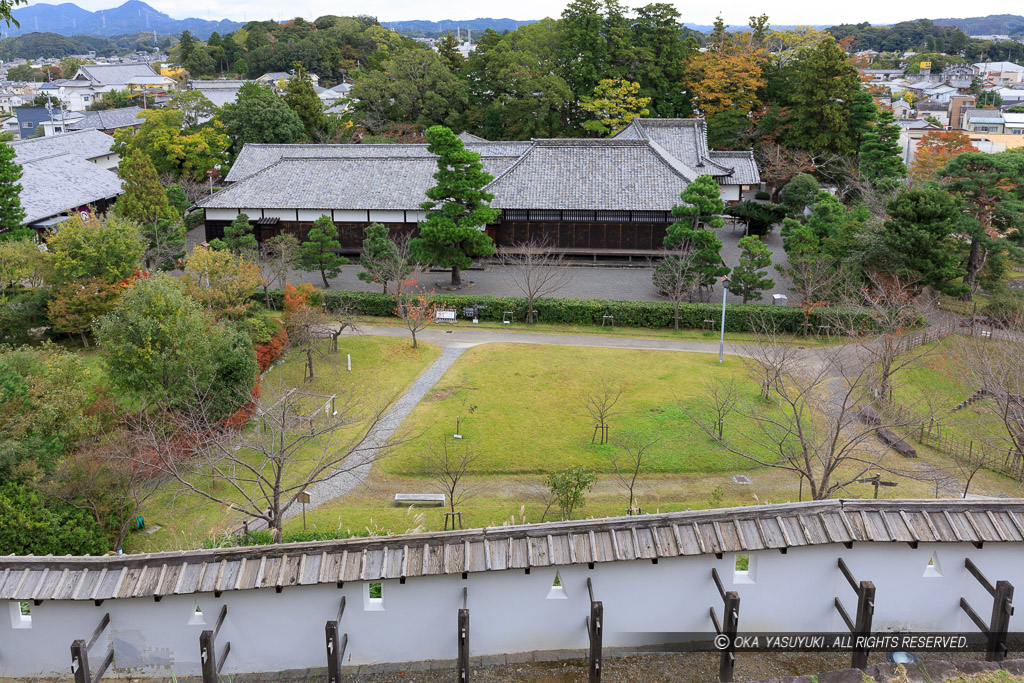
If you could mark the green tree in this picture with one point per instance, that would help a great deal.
(863, 113)
(12, 216)
(186, 44)
(110, 249)
(303, 100)
(825, 88)
(569, 488)
(194, 106)
(581, 45)
(919, 242)
(69, 67)
(177, 199)
(881, 160)
(990, 187)
(173, 149)
(200, 63)
(165, 243)
(799, 193)
(381, 259)
(453, 233)
(319, 251)
(76, 304)
(661, 55)
(32, 523)
(990, 98)
(702, 203)
(748, 278)
(259, 116)
(838, 230)
(238, 237)
(448, 51)
(144, 199)
(46, 407)
(614, 104)
(158, 346)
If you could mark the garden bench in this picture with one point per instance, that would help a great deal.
(406, 499)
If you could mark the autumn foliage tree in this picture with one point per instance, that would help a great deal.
(77, 304)
(934, 151)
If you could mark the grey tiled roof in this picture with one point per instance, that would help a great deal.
(86, 144)
(254, 158)
(494, 549)
(109, 119)
(684, 139)
(57, 184)
(615, 174)
(381, 183)
(469, 137)
(117, 74)
(743, 165)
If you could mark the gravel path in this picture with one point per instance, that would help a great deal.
(352, 475)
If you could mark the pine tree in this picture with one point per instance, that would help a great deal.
(11, 214)
(863, 113)
(177, 198)
(303, 100)
(919, 241)
(317, 253)
(381, 261)
(186, 44)
(702, 204)
(880, 158)
(748, 278)
(238, 237)
(144, 199)
(448, 51)
(452, 234)
(826, 86)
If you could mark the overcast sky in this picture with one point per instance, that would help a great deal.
(735, 12)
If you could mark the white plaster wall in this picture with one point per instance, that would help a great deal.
(311, 215)
(510, 611)
(387, 216)
(730, 193)
(224, 214)
(283, 214)
(349, 216)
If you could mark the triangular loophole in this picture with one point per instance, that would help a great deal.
(557, 591)
(933, 568)
(197, 618)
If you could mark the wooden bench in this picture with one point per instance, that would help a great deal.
(444, 316)
(407, 499)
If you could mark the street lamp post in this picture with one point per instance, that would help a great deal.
(721, 341)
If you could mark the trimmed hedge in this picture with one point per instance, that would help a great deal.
(649, 314)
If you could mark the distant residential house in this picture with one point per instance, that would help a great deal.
(585, 196)
(936, 110)
(109, 120)
(983, 121)
(75, 95)
(958, 104)
(108, 77)
(9, 101)
(1000, 73)
(218, 92)
(53, 121)
(1013, 123)
(277, 79)
(940, 93)
(64, 174)
(901, 109)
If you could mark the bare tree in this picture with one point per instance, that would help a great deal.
(879, 316)
(771, 356)
(392, 265)
(599, 403)
(447, 463)
(968, 463)
(811, 425)
(537, 272)
(723, 398)
(633, 452)
(416, 310)
(296, 442)
(674, 278)
(818, 280)
(274, 262)
(995, 370)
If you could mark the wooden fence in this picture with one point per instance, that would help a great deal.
(1008, 463)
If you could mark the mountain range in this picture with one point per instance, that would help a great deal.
(133, 16)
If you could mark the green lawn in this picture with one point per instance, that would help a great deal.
(527, 416)
(382, 368)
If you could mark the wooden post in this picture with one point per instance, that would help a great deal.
(464, 645)
(862, 626)
(729, 628)
(1002, 610)
(208, 652)
(336, 644)
(80, 661)
(596, 627)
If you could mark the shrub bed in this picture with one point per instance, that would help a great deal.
(649, 314)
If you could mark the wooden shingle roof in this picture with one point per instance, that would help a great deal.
(746, 529)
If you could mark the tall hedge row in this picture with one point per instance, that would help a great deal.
(650, 314)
